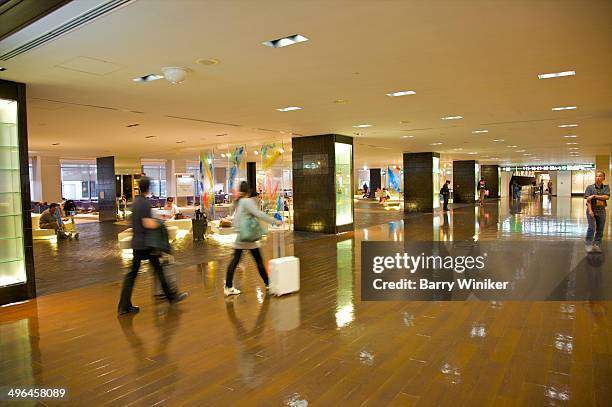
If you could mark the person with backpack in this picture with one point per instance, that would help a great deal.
(246, 222)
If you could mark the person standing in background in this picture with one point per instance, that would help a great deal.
(482, 189)
(445, 191)
(596, 196)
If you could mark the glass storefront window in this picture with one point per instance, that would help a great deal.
(79, 181)
(12, 258)
(157, 173)
(344, 196)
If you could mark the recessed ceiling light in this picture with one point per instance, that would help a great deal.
(452, 117)
(362, 126)
(570, 136)
(407, 136)
(283, 42)
(494, 158)
(568, 125)
(564, 108)
(55, 144)
(527, 154)
(480, 131)
(569, 144)
(180, 142)
(556, 74)
(520, 151)
(256, 152)
(148, 78)
(2, 69)
(289, 108)
(574, 148)
(405, 121)
(149, 136)
(340, 101)
(498, 139)
(473, 153)
(401, 93)
(207, 62)
(436, 144)
(513, 146)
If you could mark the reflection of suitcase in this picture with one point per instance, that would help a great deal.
(198, 228)
(284, 270)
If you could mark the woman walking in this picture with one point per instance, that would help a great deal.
(249, 232)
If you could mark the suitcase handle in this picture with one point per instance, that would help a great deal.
(278, 243)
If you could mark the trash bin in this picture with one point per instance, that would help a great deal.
(198, 227)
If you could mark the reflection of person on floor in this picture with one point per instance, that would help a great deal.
(246, 220)
(50, 219)
(143, 223)
(247, 356)
(596, 196)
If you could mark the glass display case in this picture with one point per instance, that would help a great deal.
(12, 258)
(344, 196)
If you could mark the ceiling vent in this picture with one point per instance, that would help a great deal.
(66, 27)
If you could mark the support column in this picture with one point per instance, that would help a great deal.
(421, 182)
(174, 167)
(505, 184)
(252, 175)
(465, 178)
(323, 183)
(375, 181)
(48, 176)
(107, 201)
(563, 184)
(491, 174)
(603, 163)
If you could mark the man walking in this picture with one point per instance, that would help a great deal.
(596, 196)
(142, 221)
(445, 191)
(482, 190)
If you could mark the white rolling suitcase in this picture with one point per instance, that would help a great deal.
(284, 270)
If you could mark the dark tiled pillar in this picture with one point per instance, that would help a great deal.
(418, 182)
(375, 181)
(491, 175)
(314, 183)
(252, 175)
(106, 189)
(464, 181)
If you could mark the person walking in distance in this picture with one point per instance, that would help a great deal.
(249, 232)
(445, 191)
(596, 196)
(482, 189)
(142, 222)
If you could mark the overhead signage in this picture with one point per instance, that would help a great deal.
(551, 167)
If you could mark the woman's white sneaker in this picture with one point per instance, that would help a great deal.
(230, 291)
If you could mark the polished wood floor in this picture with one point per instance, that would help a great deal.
(321, 346)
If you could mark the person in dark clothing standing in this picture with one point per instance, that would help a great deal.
(142, 220)
(445, 191)
(596, 196)
(482, 190)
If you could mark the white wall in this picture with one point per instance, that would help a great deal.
(563, 184)
(505, 184)
(47, 179)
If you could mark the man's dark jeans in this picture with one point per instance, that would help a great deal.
(130, 278)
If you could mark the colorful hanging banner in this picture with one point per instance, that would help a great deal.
(395, 179)
(269, 155)
(207, 183)
(237, 163)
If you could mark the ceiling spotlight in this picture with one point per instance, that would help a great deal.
(570, 136)
(283, 42)
(568, 125)
(452, 117)
(407, 136)
(401, 93)
(436, 144)
(556, 74)
(362, 126)
(174, 74)
(564, 108)
(148, 78)
(496, 140)
(288, 109)
(480, 131)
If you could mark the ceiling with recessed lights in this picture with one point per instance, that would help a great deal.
(457, 77)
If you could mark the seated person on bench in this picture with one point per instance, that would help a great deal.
(49, 220)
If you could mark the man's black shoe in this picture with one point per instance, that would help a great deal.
(179, 297)
(131, 310)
